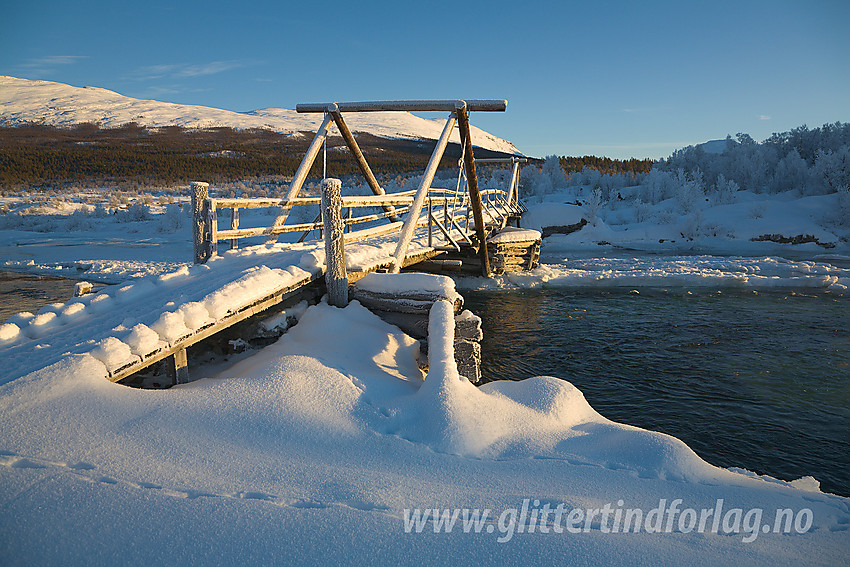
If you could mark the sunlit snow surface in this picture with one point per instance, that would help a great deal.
(621, 269)
(311, 450)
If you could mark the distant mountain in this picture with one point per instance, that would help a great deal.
(714, 146)
(24, 101)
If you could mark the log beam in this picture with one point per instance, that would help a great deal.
(358, 156)
(474, 193)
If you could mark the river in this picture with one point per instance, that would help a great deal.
(757, 380)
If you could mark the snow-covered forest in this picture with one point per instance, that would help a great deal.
(805, 161)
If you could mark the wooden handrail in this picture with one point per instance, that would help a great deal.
(494, 199)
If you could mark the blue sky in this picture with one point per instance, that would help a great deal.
(622, 79)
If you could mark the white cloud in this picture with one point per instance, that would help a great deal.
(185, 70)
(52, 61)
(764, 117)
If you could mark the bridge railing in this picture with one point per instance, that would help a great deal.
(447, 210)
(448, 215)
(497, 206)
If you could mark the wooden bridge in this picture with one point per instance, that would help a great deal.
(445, 227)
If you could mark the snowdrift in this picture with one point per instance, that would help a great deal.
(316, 449)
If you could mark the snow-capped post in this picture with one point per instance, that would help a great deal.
(474, 193)
(336, 278)
(200, 218)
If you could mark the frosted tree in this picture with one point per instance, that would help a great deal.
(552, 169)
(593, 205)
(832, 169)
(791, 172)
(725, 190)
(657, 186)
(690, 190)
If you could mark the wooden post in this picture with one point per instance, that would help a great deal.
(177, 368)
(302, 171)
(333, 110)
(430, 220)
(336, 276)
(419, 199)
(474, 193)
(212, 227)
(200, 217)
(234, 225)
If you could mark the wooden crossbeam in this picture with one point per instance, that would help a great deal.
(476, 105)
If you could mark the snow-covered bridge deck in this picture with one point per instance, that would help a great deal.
(129, 327)
(133, 325)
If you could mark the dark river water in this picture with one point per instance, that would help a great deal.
(757, 381)
(30, 292)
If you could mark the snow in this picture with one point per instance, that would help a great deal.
(45, 102)
(401, 284)
(513, 234)
(628, 269)
(142, 340)
(304, 452)
(316, 448)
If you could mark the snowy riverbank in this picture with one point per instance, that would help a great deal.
(305, 452)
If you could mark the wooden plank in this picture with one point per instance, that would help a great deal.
(401, 198)
(374, 231)
(227, 321)
(512, 159)
(265, 230)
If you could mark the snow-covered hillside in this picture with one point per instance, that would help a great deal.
(45, 102)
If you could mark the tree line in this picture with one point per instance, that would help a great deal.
(606, 165)
(33, 155)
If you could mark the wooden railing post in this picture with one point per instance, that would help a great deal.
(336, 277)
(200, 219)
(234, 225)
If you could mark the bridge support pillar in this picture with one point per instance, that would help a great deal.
(336, 276)
(177, 368)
